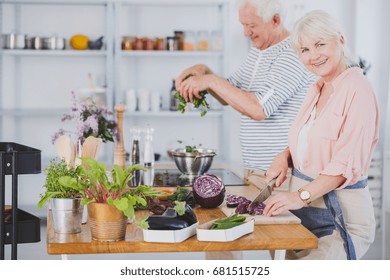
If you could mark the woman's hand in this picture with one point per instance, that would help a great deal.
(278, 169)
(282, 202)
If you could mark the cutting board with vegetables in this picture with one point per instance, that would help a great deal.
(251, 192)
(285, 218)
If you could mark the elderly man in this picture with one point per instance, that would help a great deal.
(267, 89)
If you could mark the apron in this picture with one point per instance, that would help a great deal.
(347, 213)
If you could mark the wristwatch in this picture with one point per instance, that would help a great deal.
(305, 196)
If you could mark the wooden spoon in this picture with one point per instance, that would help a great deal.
(99, 142)
(89, 147)
(65, 149)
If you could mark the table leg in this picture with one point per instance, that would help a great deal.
(280, 254)
(64, 257)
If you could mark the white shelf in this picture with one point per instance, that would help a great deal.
(81, 53)
(173, 2)
(174, 114)
(33, 112)
(171, 53)
(58, 2)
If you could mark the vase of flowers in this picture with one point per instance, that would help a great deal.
(91, 120)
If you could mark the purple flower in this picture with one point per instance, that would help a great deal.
(90, 119)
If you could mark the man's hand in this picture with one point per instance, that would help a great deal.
(196, 70)
(192, 86)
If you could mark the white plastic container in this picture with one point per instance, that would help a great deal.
(131, 100)
(204, 233)
(170, 236)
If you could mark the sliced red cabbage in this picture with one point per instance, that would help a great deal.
(242, 204)
(233, 200)
(257, 208)
(242, 208)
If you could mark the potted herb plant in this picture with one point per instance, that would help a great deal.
(65, 203)
(109, 199)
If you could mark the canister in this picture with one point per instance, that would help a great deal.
(180, 35)
(172, 43)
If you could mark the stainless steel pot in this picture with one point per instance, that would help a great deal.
(13, 41)
(193, 164)
(49, 43)
(34, 43)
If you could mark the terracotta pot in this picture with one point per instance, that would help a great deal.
(107, 223)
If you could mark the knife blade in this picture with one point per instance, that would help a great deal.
(264, 194)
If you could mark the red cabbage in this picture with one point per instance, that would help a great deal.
(242, 204)
(209, 191)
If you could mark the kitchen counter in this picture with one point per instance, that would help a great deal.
(279, 237)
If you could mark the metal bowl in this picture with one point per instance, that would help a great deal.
(193, 164)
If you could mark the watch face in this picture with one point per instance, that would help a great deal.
(305, 195)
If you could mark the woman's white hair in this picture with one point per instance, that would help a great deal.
(265, 9)
(319, 25)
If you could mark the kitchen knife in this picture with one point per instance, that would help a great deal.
(264, 194)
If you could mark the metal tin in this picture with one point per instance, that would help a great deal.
(49, 43)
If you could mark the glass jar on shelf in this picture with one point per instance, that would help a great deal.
(189, 41)
(203, 40)
(180, 35)
(148, 44)
(216, 40)
(172, 43)
(138, 44)
(127, 43)
(159, 44)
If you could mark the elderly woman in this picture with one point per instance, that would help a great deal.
(330, 146)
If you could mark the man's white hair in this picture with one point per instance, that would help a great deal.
(265, 9)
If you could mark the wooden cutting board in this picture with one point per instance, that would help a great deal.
(285, 218)
(251, 192)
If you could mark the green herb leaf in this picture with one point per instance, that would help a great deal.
(180, 207)
(143, 223)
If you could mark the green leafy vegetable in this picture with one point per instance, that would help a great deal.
(198, 103)
(190, 149)
(180, 207)
(183, 194)
(229, 222)
(142, 223)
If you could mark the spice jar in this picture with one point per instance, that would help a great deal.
(172, 43)
(148, 44)
(180, 35)
(159, 44)
(127, 43)
(138, 44)
(203, 40)
(217, 40)
(189, 41)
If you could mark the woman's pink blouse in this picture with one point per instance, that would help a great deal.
(344, 134)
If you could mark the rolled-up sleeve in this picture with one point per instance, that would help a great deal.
(284, 79)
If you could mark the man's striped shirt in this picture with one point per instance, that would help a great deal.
(280, 82)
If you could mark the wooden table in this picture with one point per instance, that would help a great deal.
(279, 237)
